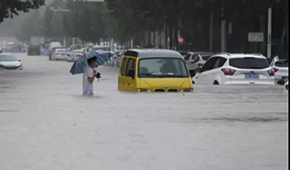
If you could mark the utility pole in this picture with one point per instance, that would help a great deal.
(269, 50)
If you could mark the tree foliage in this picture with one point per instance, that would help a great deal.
(192, 19)
(9, 8)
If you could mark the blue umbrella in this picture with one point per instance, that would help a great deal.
(81, 63)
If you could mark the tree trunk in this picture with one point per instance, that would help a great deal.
(166, 35)
(176, 37)
(171, 36)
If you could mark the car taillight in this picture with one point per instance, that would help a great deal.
(271, 73)
(287, 87)
(275, 69)
(228, 71)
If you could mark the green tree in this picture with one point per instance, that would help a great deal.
(9, 8)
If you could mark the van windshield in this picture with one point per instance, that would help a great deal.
(162, 67)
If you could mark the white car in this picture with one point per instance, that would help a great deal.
(74, 55)
(236, 69)
(9, 62)
(280, 68)
(60, 54)
(52, 47)
(196, 60)
(116, 59)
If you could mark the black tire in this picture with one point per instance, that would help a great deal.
(216, 82)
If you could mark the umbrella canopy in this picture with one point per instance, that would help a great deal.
(81, 63)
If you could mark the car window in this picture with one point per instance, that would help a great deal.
(130, 66)
(249, 63)
(282, 63)
(219, 62)
(195, 58)
(187, 57)
(7, 58)
(123, 68)
(162, 67)
(209, 65)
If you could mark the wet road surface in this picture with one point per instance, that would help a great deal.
(46, 124)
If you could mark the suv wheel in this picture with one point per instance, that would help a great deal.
(216, 82)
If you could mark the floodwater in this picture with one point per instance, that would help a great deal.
(46, 124)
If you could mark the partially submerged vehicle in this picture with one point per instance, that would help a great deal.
(154, 71)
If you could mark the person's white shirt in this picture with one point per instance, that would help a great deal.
(88, 86)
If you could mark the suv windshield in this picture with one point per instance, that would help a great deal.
(162, 67)
(249, 63)
(7, 58)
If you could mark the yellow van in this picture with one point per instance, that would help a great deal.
(154, 71)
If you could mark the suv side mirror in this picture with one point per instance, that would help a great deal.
(192, 73)
(131, 74)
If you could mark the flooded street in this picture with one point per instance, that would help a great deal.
(46, 124)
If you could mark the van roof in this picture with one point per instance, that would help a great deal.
(152, 53)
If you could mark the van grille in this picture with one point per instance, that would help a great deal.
(172, 90)
(159, 90)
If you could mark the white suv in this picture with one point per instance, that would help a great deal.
(236, 69)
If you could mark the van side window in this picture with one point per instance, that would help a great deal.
(209, 65)
(123, 68)
(130, 66)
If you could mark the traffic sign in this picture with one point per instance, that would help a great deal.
(256, 37)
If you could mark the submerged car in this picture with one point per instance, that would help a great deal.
(236, 69)
(196, 60)
(60, 54)
(34, 50)
(9, 62)
(154, 71)
(74, 55)
(281, 69)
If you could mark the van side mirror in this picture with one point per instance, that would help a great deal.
(131, 74)
(192, 73)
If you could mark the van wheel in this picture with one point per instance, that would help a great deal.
(216, 82)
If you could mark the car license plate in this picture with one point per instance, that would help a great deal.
(252, 76)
